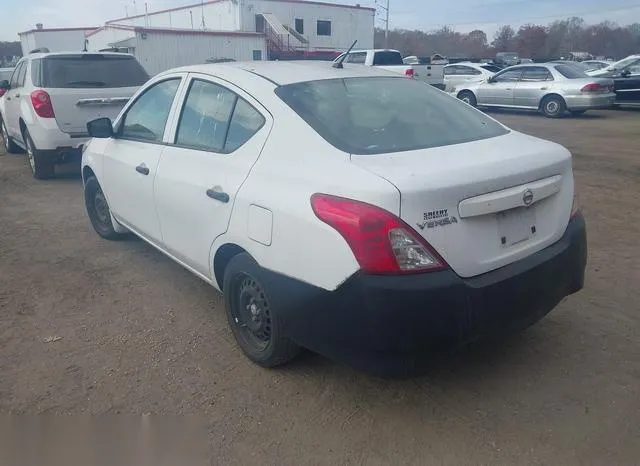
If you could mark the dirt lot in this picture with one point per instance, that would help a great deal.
(138, 334)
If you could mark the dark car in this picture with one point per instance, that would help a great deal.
(626, 78)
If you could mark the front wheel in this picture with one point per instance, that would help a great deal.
(254, 321)
(468, 98)
(11, 146)
(98, 210)
(42, 164)
(553, 106)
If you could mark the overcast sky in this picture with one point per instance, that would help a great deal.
(463, 15)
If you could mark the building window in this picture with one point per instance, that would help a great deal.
(324, 28)
(257, 54)
(300, 26)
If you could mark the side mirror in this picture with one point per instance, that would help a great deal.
(491, 80)
(100, 128)
(625, 73)
(4, 84)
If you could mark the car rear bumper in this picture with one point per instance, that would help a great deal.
(590, 102)
(390, 325)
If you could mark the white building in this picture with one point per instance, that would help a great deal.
(291, 27)
(56, 40)
(160, 49)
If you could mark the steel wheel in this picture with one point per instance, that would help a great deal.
(5, 136)
(251, 312)
(552, 107)
(103, 215)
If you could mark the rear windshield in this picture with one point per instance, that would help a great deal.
(92, 71)
(571, 72)
(386, 114)
(387, 59)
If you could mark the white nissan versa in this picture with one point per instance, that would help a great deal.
(357, 213)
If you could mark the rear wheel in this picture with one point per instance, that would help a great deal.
(11, 146)
(42, 164)
(255, 322)
(98, 210)
(553, 106)
(468, 98)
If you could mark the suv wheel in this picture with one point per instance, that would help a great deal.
(42, 165)
(253, 318)
(11, 146)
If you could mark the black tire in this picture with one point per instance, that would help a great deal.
(468, 97)
(577, 112)
(553, 106)
(254, 320)
(98, 210)
(9, 145)
(42, 164)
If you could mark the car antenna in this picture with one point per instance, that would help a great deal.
(338, 64)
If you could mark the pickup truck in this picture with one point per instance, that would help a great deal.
(391, 60)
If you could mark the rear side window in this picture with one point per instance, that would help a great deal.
(36, 72)
(536, 73)
(216, 119)
(387, 59)
(385, 114)
(92, 71)
(570, 72)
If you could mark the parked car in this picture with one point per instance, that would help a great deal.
(5, 75)
(550, 88)
(459, 73)
(353, 212)
(507, 58)
(51, 97)
(391, 60)
(626, 79)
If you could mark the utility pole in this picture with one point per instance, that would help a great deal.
(386, 24)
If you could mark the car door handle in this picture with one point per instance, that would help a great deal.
(218, 196)
(17, 95)
(142, 169)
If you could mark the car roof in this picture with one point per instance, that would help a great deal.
(286, 72)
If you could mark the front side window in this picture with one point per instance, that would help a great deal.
(536, 73)
(508, 76)
(216, 119)
(379, 115)
(146, 119)
(387, 58)
(324, 28)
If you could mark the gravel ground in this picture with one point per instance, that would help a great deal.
(91, 326)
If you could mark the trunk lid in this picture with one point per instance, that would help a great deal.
(74, 108)
(482, 204)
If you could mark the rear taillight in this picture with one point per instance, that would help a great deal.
(42, 104)
(594, 87)
(2, 92)
(380, 241)
(409, 72)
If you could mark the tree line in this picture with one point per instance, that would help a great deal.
(557, 39)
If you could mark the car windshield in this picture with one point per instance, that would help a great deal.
(92, 70)
(571, 71)
(622, 63)
(386, 114)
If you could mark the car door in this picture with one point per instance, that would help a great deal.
(500, 89)
(12, 101)
(217, 137)
(533, 85)
(132, 155)
(627, 84)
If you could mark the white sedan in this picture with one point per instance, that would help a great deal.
(359, 214)
(466, 72)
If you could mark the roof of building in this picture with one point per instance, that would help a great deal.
(58, 30)
(288, 72)
(208, 2)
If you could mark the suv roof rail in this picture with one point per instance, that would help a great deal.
(40, 50)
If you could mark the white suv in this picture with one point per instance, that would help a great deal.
(362, 215)
(51, 97)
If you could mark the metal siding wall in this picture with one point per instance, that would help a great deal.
(217, 17)
(102, 39)
(347, 24)
(161, 51)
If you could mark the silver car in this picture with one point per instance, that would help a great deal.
(551, 88)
